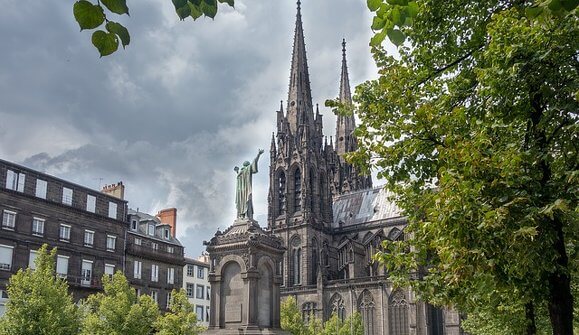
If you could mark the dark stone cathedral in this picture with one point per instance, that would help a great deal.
(331, 221)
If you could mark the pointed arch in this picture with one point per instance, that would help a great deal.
(366, 306)
(337, 306)
(295, 266)
(297, 189)
(398, 313)
(394, 234)
(280, 192)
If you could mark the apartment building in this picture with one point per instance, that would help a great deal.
(196, 284)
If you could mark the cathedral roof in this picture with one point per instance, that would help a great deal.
(364, 207)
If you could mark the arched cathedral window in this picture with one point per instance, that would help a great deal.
(308, 311)
(295, 266)
(367, 310)
(398, 313)
(281, 193)
(338, 308)
(297, 190)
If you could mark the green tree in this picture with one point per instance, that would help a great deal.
(93, 15)
(180, 320)
(474, 126)
(118, 310)
(291, 317)
(39, 301)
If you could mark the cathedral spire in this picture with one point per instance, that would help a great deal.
(345, 95)
(345, 124)
(299, 108)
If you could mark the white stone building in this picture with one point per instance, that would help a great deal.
(196, 284)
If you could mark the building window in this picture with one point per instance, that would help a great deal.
(206, 313)
(90, 203)
(154, 273)
(154, 295)
(151, 230)
(134, 225)
(64, 232)
(297, 267)
(31, 259)
(154, 246)
(111, 242)
(110, 269)
(168, 305)
(6, 257)
(138, 241)
(281, 193)
(15, 181)
(199, 312)
(67, 196)
(138, 292)
(200, 292)
(9, 220)
(190, 270)
(297, 190)
(200, 272)
(37, 226)
(41, 187)
(137, 269)
(88, 238)
(171, 276)
(398, 313)
(170, 249)
(86, 273)
(112, 210)
(208, 293)
(190, 290)
(167, 234)
(62, 266)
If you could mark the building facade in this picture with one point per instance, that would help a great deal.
(154, 257)
(86, 226)
(196, 285)
(93, 231)
(331, 220)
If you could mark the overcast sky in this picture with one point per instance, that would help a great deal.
(172, 114)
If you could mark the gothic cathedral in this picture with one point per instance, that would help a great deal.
(331, 220)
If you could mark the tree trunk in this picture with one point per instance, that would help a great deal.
(560, 298)
(530, 316)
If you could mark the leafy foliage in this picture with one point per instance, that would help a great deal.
(39, 302)
(291, 317)
(118, 310)
(180, 320)
(474, 127)
(91, 16)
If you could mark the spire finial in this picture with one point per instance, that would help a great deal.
(343, 48)
(299, 3)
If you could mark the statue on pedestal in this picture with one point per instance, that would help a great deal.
(243, 190)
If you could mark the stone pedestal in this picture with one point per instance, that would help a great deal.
(245, 275)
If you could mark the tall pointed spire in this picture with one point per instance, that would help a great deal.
(345, 124)
(345, 95)
(299, 108)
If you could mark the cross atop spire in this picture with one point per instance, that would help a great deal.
(299, 108)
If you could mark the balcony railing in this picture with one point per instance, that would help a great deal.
(157, 254)
(81, 281)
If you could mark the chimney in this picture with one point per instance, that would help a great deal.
(117, 191)
(169, 216)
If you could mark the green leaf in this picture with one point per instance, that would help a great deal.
(106, 43)
(396, 36)
(533, 12)
(378, 38)
(555, 5)
(183, 12)
(373, 5)
(179, 3)
(412, 9)
(87, 15)
(117, 6)
(195, 11)
(229, 2)
(377, 23)
(209, 8)
(119, 30)
(570, 5)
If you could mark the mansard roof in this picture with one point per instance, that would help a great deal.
(364, 206)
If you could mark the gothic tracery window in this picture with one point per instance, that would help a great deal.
(281, 193)
(338, 308)
(297, 190)
(367, 311)
(398, 313)
(308, 311)
(295, 261)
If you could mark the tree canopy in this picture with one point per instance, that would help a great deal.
(39, 301)
(474, 127)
(180, 320)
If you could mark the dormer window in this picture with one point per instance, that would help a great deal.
(167, 234)
(151, 230)
(134, 225)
